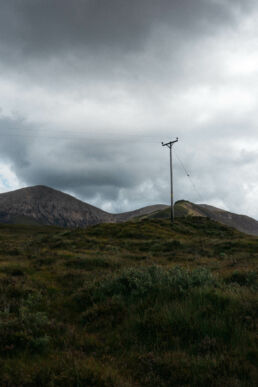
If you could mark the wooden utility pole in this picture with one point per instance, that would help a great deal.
(170, 145)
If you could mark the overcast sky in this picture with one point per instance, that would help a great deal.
(90, 88)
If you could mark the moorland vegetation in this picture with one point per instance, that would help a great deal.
(131, 304)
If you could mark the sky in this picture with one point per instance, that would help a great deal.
(90, 88)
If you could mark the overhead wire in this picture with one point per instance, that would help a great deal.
(79, 135)
(189, 176)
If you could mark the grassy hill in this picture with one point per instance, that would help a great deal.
(131, 304)
(184, 208)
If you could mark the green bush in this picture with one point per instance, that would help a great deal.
(91, 263)
(244, 278)
(150, 282)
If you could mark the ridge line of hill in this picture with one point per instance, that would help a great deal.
(42, 205)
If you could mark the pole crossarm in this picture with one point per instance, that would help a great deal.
(170, 143)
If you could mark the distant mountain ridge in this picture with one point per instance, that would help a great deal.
(41, 205)
(47, 206)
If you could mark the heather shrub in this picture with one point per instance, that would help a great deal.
(13, 270)
(89, 263)
(25, 328)
(247, 278)
(166, 246)
(151, 282)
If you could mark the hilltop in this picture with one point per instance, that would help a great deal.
(129, 304)
(185, 208)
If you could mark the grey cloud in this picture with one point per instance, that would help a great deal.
(44, 28)
(14, 149)
(57, 43)
(85, 166)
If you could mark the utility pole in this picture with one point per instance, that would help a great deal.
(170, 145)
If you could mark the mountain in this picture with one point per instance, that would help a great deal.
(44, 205)
(41, 205)
(185, 208)
(47, 206)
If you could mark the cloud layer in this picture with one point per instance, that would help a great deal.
(89, 89)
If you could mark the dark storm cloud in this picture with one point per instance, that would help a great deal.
(84, 165)
(44, 28)
(64, 44)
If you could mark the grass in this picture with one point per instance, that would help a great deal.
(133, 304)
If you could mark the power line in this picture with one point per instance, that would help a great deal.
(189, 177)
(89, 131)
(81, 135)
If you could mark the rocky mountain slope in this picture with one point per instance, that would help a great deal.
(44, 205)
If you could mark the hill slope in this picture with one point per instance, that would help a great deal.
(129, 304)
(44, 205)
(184, 208)
(240, 222)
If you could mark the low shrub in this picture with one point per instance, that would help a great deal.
(14, 270)
(108, 313)
(166, 246)
(150, 282)
(24, 329)
(244, 278)
(90, 263)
